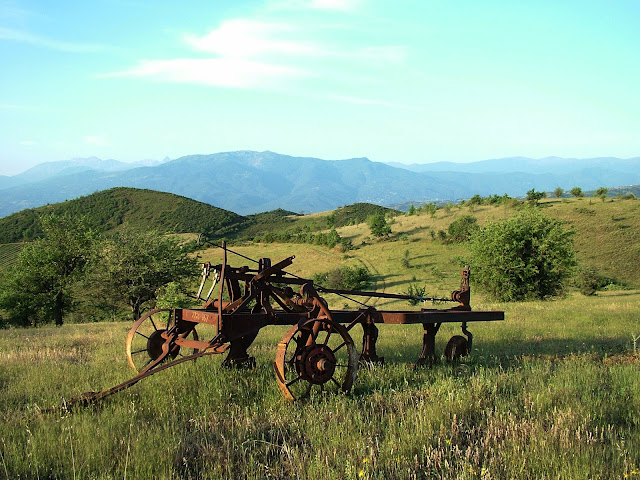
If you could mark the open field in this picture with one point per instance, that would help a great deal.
(551, 392)
(554, 392)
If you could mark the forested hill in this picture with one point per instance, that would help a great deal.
(147, 209)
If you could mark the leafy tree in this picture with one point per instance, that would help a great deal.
(463, 228)
(331, 220)
(412, 210)
(577, 192)
(40, 287)
(378, 225)
(533, 197)
(524, 257)
(347, 278)
(134, 265)
(558, 192)
(431, 209)
(475, 200)
(602, 193)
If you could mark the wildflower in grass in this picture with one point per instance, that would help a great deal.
(448, 441)
(361, 473)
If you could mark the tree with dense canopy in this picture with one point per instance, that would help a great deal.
(576, 192)
(39, 288)
(378, 225)
(525, 257)
(134, 265)
(601, 193)
(533, 196)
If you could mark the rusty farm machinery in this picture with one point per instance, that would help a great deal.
(316, 354)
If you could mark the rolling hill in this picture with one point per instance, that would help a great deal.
(146, 209)
(248, 182)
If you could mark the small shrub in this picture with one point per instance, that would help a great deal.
(405, 260)
(463, 228)
(416, 291)
(345, 278)
(378, 225)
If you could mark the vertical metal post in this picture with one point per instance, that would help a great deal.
(428, 355)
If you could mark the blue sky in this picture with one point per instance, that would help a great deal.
(406, 81)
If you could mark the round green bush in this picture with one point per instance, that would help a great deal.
(528, 256)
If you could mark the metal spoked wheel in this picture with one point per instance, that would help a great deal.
(145, 339)
(317, 356)
(456, 348)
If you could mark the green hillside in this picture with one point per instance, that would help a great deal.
(607, 233)
(146, 209)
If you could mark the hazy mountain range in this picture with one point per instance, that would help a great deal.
(248, 182)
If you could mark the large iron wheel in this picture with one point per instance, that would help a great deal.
(145, 339)
(316, 356)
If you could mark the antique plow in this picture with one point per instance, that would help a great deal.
(316, 353)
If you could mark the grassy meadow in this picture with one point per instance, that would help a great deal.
(551, 392)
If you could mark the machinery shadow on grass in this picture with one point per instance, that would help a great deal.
(489, 356)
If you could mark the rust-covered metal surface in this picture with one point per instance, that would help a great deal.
(316, 353)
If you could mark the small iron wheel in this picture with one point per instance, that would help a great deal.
(145, 340)
(456, 347)
(318, 355)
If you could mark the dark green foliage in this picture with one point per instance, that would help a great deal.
(490, 200)
(533, 197)
(476, 200)
(39, 287)
(378, 225)
(416, 291)
(602, 193)
(589, 281)
(329, 239)
(106, 210)
(133, 265)
(463, 228)
(442, 235)
(412, 210)
(345, 278)
(524, 257)
(576, 192)
(558, 192)
(359, 213)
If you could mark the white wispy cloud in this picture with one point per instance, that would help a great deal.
(222, 72)
(249, 38)
(40, 41)
(286, 53)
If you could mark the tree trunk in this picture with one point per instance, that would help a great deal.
(135, 309)
(58, 309)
